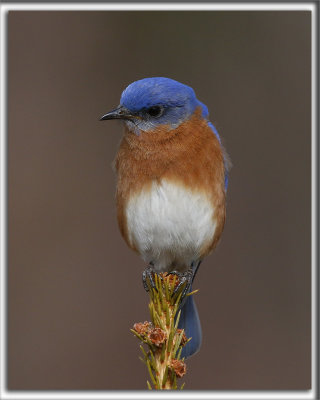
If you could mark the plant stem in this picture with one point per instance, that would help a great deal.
(162, 336)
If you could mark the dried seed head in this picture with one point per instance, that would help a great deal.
(157, 336)
(179, 367)
(184, 337)
(142, 328)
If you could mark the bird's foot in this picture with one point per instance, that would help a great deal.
(148, 274)
(185, 279)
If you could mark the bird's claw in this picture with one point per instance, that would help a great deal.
(148, 273)
(185, 278)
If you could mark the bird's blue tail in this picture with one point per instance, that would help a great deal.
(190, 322)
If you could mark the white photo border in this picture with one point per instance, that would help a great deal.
(6, 394)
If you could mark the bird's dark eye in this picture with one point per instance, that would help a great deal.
(155, 111)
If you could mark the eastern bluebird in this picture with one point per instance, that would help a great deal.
(172, 179)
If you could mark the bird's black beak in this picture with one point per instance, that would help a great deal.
(119, 113)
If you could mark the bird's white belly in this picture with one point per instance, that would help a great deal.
(169, 225)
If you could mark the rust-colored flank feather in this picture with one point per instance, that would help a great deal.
(189, 155)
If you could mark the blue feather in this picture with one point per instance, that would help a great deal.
(178, 100)
(190, 322)
(205, 111)
(161, 91)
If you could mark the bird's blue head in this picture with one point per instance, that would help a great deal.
(150, 102)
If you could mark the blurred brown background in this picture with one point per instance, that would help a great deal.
(74, 288)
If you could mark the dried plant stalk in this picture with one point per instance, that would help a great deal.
(162, 337)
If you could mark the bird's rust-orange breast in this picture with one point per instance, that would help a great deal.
(189, 155)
